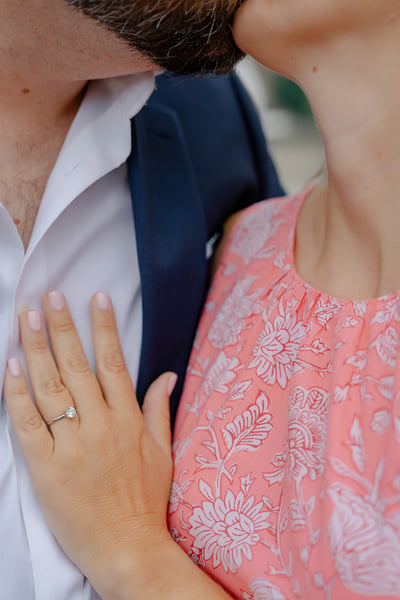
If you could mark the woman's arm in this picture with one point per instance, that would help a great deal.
(103, 477)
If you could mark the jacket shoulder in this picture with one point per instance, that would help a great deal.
(223, 134)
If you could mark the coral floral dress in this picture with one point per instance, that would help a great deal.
(287, 462)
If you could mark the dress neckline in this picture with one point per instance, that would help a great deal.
(300, 199)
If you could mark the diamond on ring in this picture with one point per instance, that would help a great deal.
(70, 413)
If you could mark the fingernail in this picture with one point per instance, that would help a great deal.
(172, 383)
(22, 307)
(14, 366)
(34, 320)
(103, 300)
(56, 300)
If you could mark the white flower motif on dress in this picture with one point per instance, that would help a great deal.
(220, 374)
(360, 307)
(279, 461)
(386, 346)
(358, 360)
(318, 347)
(230, 269)
(177, 493)
(350, 322)
(230, 318)
(208, 306)
(249, 429)
(326, 310)
(319, 580)
(177, 536)
(341, 394)
(365, 544)
(246, 483)
(356, 444)
(262, 589)
(227, 529)
(307, 429)
(254, 232)
(239, 389)
(386, 386)
(390, 312)
(280, 260)
(275, 354)
(381, 420)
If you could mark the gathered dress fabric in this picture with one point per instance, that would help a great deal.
(287, 440)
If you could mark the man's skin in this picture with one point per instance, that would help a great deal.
(48, 52)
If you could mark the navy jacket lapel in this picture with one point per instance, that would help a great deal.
(171, 239)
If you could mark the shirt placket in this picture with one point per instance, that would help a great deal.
(11, 526)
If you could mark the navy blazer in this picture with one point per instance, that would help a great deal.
(198, 155)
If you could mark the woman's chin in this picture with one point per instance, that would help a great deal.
(256, 34)
(243, 29)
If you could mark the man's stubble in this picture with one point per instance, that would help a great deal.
(182, 36)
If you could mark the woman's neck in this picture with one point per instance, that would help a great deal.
(354, 91)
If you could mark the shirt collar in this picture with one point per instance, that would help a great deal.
(99, 140)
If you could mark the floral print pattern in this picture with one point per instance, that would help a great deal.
(227, 528)
(286, 445)
(276, 349)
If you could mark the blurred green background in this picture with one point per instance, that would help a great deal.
(285, 113)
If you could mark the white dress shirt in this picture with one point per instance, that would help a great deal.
(83, 241)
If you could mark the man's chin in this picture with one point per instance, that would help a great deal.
(177, 39)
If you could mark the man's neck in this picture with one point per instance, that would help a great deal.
(30, 111)
(34, 121)
(48, 51)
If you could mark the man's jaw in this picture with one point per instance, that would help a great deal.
(179, 36)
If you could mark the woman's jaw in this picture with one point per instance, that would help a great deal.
(342, 53)
(288, 36)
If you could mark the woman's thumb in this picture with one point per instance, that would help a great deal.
(156, 411)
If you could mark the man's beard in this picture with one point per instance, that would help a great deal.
(183, 36)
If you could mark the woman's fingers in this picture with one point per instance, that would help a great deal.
(72, 364)
(61, 376)
(51, 396)
(156, 411)
(111, 368)
(35, 439)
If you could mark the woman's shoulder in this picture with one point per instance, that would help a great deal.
(263, 213)
(257, 224)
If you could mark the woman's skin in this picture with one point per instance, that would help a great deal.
(103, 479)
(344, 55)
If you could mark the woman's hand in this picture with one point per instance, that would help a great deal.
(103, 478)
